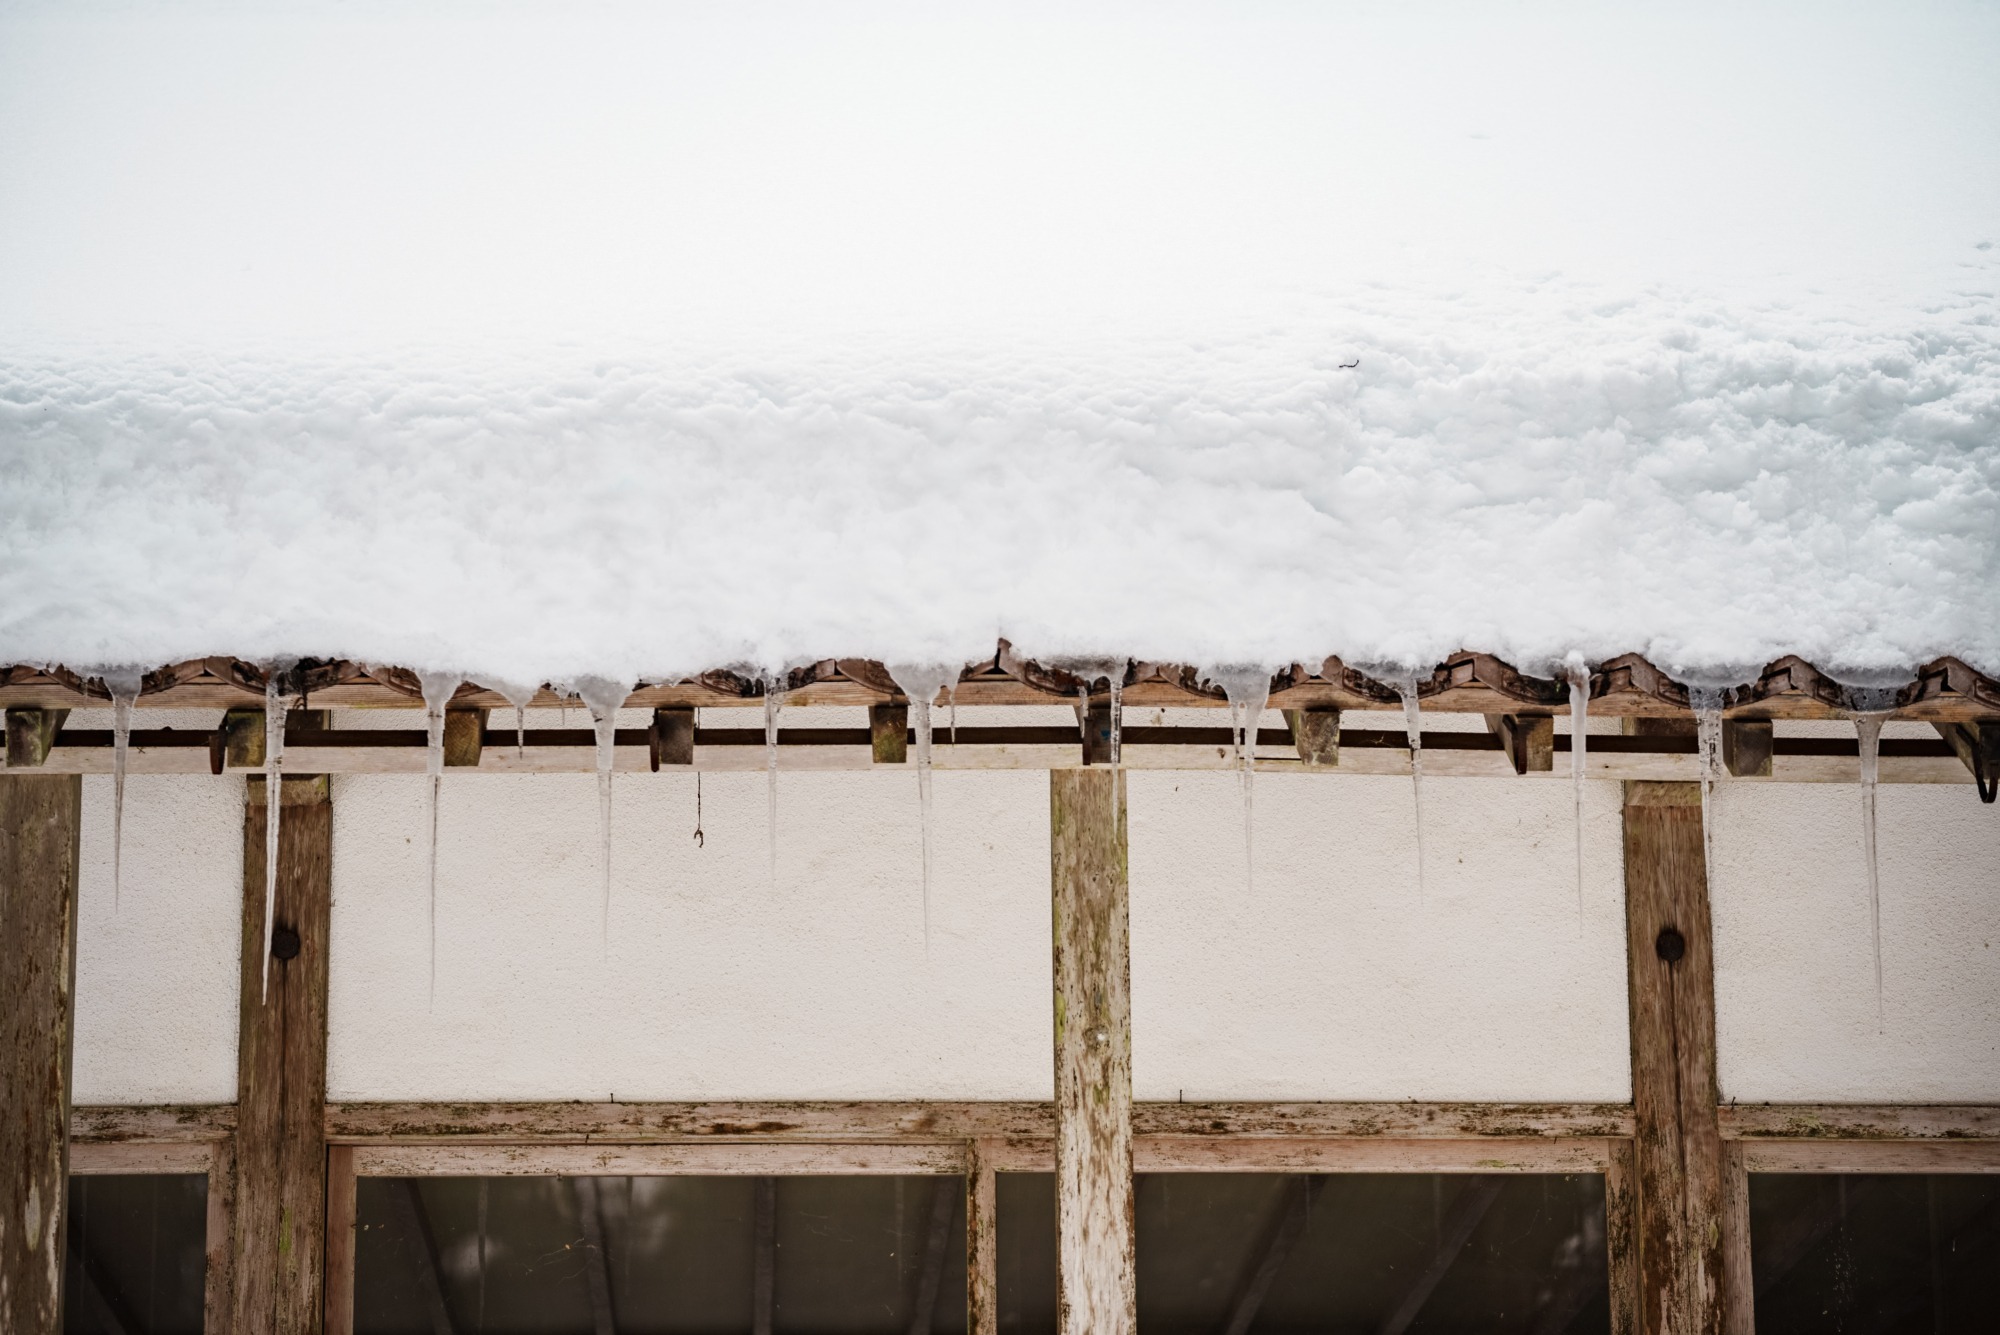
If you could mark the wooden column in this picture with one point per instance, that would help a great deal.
(1678, 1156)
(281, 1068)
(982, 1241)
(40, 816)
(1096, 1290)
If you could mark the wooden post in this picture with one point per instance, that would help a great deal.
(982, 1241)
(281, 1159)
(40, 817)
(1096, 1276)
(1672, 987)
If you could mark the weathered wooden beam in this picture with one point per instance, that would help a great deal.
(930, 1278)
(40, 818)
(596, 1268)
(1739, 1293)
(30, 734)
(1316, 735)
(982, 1240)
(464, 736)
(1672, 1005)
(342, 1221)
(1283, 1234)
(1621, 1236)
(1099, 747)
(1977, 746)
(1747, 747)
(1474, 1199)
(764, 1255)
(889, 733)
(1529, 740)
(672, 739)
(1096, 1291)
(281, 1066)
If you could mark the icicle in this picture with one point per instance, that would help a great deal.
(1868, 740)
(1707, 702)
(123, 685)
(922, 684)
(951, 696)
(1413, 729)
(1248, 690)
(520, 697)
(274, 755)
(774, 700)
(1579, 749)
(603, 698)
(438, 688)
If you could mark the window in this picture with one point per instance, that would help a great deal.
(137, 1254)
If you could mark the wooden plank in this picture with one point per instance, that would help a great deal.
(159, 1122)
(218, 1288)
(1621, 1237)
(30, 734)
(1096, 1286)
(1739, 1292)
(281, 1069)
(1857, 1121)
(1527, 740)
(1173, 1154)
(341, 1221)
(888, 734)
(1871, 1156)
(1315, 736)
(40, 819)
(1672, 1008)
(445, 1160)
(464, 737)
(982, 1240)
(140, 1158)
(941, 1121)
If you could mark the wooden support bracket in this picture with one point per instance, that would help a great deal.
(464, 736)
(672, 736)
(1747, 746)
(889, 733)
(1976, 744)
(1316, 733)
(30, 734)
(1528, 739)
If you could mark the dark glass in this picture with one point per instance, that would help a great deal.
(1896, 1254)
(1347, 1252)
(136, 1255)
(527, 1255)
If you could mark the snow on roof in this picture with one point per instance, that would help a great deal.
(633, 345)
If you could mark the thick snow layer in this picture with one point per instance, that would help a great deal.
(630, 344)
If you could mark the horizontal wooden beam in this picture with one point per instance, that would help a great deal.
(1860, 1121)
(1946, 689)
(1362, 751)
(634, 1123)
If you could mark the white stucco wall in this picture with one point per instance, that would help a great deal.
(1330, 977)
(157, 971)
(1796, 1014)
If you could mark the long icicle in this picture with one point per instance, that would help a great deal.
(438, 689)
(603, 698)
(1868, 741)
(1248, 690)
(774, 700)
(1413, 730)
(123, 685)
(1579, 749)
(921, 686)
(1707, 702)
(274, 756)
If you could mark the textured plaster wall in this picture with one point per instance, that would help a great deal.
(1794, 968)
(157, 970)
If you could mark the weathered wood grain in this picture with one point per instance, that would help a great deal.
(40, 819)
(1096, 1273)
(1739, 1285)
(1871, 1156)
(341, 1219)
(281, 1070)
(723, 1160)
(158, 1122)
(1861, 1121)
(1672, 1001)
(982, 1241)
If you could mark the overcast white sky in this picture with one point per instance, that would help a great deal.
(332, 169)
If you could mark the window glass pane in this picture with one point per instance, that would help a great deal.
(136, 1254)
(1888, 1253)
(666, 1254)
(1359, 1252)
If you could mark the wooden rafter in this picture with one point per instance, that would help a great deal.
(1946, 689)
